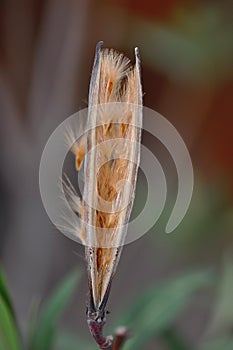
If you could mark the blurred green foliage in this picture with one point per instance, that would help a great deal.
(208, 222)
(9, 335)
(45, 329)
(150, 316)
(198, 40)
(155, 310)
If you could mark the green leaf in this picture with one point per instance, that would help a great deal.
(69, 341)
(155, 310)
(32, 322)
(222, 319)
(4, 293)
(173, 340)
(9, 339)
(225, 343)
(45, 330)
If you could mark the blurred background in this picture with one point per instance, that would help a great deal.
(46, 56)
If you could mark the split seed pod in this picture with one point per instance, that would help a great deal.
(111, 153)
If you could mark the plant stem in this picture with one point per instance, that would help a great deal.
(96, 326)
(96, 329)
(121, 335)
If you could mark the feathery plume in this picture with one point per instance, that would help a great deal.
(111, 153)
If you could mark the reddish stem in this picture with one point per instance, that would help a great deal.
(96, 325)
(96, 329)
(121, 335)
